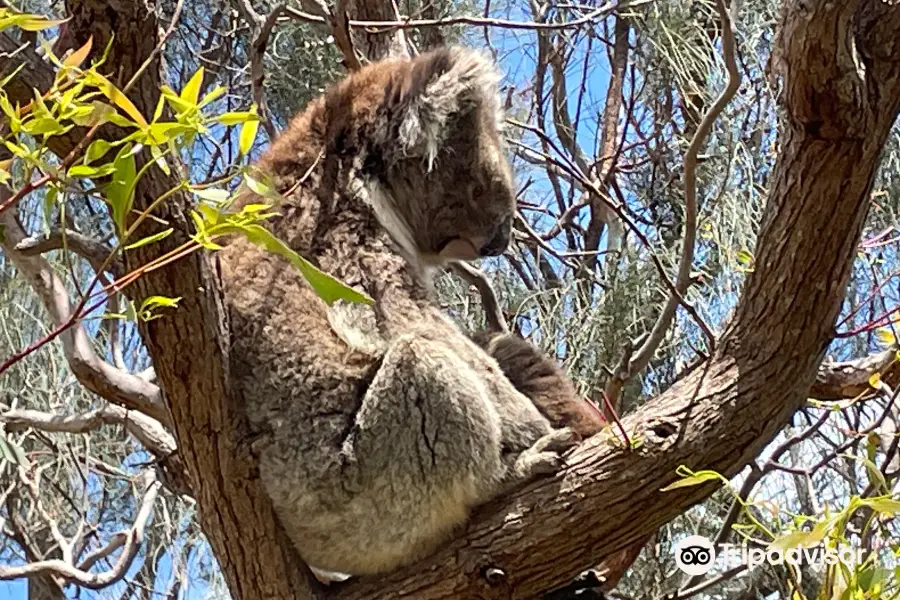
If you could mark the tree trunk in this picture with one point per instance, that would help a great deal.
(44, 588)
(717, 418)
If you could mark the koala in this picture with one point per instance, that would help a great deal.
(542, 381)
(378, 428)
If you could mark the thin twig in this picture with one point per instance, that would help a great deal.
(492, 311)
(407, 23)
(134, 537)
(645, 353)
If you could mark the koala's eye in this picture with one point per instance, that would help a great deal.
(478, 191)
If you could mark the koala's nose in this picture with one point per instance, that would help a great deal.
(500, 240)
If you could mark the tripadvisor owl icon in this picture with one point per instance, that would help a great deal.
(695, 555)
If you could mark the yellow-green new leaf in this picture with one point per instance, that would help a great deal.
(886, 506)
(116, 96)
(885, 337)
(150, 239)
(191, 91)
(327, 287)
(120, 192)
(247, 137)
(214, 195)
(97, 149)
(216, 92)
(875, 380)
(76, 58)
(691, 480)
(87, 171)
(233, 118)
(802, 539)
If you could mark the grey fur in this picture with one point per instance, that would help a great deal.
(380, 428)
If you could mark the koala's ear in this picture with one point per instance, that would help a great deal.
(439, 88)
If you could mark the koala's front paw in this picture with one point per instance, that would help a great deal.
(545, 456)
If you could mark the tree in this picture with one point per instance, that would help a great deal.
(839, 99)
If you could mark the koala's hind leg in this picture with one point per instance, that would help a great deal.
(424, 450)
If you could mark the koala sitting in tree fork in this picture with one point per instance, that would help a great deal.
(382, 425)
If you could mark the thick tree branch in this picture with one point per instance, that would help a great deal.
(723, 414)
(189, 346)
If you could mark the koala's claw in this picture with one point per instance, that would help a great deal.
(558, 440)
(545, 456)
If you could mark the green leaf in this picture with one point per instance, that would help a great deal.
(744, 259)
(233, 118)
(86, 171)
(875, 380)
(43, 125)
(885, 337)
(49, 202)
(327, 287)
(96, 150)
(213, 195)
(213, 95)
(199, 223)
(116, 96)
(160, 158)
(886, 506)
(159, 302)
(150, 239)
(161, 133)
(5, 170)
(247, 137)
(875, 474)
(261, 188)
(5, 452)
(120, 192)
(191, 91)
(698, 478)
(255, 208)
(803, 539)
(39, 24)
(12, 452)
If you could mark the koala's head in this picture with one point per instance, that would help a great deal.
(443, 188)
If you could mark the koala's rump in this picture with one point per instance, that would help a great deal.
(358, 490)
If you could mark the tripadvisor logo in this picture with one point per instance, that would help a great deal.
(695, 555)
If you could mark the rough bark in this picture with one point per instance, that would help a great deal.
(189, 347)
(717, 418)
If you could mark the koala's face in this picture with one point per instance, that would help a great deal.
(448, 188)
(469, 197)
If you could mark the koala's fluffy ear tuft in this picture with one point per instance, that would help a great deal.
(442, 86)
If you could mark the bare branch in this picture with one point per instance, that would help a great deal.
(644, 354)
(94, 373)
(407, 23)
(92, 250)
(492, 310)
(261, 28)
(146, 430)
(134, 537)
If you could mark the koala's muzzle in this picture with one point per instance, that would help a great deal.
(499, 241)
